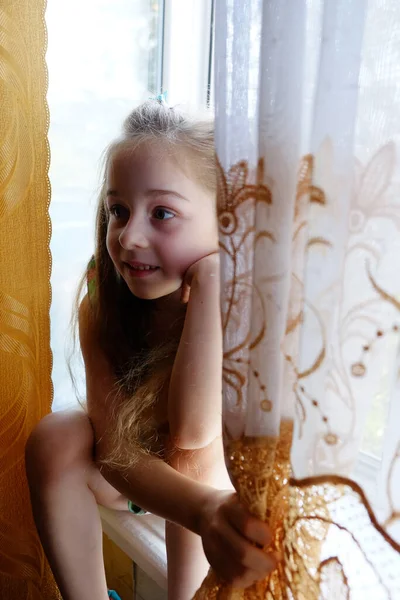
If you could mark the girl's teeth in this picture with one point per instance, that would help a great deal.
(143, 268)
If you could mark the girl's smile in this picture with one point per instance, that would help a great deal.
(140, 269)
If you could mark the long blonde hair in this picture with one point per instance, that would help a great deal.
(121, 320)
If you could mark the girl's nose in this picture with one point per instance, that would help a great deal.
(133, 235)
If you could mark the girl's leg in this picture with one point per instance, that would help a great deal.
(65, 487)
(187, 563)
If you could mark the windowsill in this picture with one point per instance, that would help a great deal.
(142, 538)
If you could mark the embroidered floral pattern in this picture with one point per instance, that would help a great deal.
(324, 526)
(238, 197)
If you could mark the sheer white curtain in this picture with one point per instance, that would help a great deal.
(308, 138)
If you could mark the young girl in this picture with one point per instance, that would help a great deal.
(150, 336)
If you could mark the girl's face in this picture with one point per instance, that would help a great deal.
(161, 221)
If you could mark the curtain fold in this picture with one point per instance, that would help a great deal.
(25, 357)
(308, 140)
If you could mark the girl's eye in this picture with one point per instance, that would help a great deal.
(118, 211)
(162, 214)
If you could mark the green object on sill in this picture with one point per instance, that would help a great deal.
(136, 510)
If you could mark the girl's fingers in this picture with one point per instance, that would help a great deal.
(251, 528)
(259, 561)
(185, 293)
(247, 555)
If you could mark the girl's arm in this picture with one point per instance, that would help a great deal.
(227, 530)
(143, 482)
(195, 394)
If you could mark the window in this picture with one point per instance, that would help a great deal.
(188, 52)
(105, 57)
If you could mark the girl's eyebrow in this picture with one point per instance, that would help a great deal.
(115, 194)
(166, 193)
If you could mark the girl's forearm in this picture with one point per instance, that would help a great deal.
(158, 488)
(194, 400)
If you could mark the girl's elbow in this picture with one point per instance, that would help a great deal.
(188, 443)
(193, 439)
(203, 464)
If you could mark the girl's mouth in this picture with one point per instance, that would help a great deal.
(140, 269)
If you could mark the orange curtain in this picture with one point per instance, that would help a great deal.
(25, 356)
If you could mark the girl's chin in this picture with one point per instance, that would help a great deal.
(157, 292)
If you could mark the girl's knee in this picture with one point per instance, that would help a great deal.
(59, 440)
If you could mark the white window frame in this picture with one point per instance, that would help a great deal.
(186, 52)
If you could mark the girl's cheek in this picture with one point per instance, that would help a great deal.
(190, 259)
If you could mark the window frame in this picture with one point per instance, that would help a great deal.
(187, 66)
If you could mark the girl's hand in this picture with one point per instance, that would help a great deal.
(229, 533)
(207, 268)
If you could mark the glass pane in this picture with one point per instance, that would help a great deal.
(104, 58)
(156, 35)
